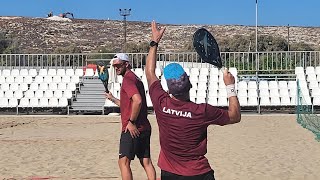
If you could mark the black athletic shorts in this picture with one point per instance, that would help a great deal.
(170, 176)
(131, 147)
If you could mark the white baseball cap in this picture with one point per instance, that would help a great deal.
(120, 56)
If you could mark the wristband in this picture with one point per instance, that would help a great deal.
(231, 90)
(132, 122)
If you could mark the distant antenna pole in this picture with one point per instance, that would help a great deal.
(288, 37)
(256, 25)
(124, 13)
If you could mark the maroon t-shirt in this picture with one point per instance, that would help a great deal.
(183, 132)
(132, 85)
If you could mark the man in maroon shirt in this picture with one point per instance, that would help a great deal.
(136, 129)
(182, 123)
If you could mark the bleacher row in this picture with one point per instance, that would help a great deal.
(38, 88)
(56, 87)
(208, 86)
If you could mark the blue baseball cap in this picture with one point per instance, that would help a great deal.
(177, 79)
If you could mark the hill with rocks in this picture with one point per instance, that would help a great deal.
(42, 35)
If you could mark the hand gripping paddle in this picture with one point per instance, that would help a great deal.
(207, 47)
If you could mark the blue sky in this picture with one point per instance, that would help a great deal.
(211, 12)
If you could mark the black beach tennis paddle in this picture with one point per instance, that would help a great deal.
(207, 47)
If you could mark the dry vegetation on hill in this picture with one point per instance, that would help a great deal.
(40, 35)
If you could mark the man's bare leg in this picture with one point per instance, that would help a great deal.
(124, 165)
(148, 167)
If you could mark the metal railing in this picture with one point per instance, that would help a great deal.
(277, 62)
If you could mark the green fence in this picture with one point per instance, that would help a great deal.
(305, 116)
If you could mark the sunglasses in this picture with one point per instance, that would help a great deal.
(118, 65)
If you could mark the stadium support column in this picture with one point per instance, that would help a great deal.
(124, 13)
(257, 57)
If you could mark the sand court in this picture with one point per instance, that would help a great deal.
(86, 147)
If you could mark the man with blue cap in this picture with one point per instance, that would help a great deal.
(182, 123)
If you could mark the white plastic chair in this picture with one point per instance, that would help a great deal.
(285, 101)
(265, 101)
(89, 72)
(252, 85)
(13, 102)
(213, 93)
(203, 78)
(252, 101)
(53, 86)
(79, 72)
(67, 94)
(58, 94)
(316, 101)
(47, 79)
(139, 72)
(242, 85)
(200, 100)
(317, 70)
(34, 102)
(283, 92)
(222, 92)
(43, 72)
(243, 101)
(33, 72)
(72, 86)
(24, 72)
(6, 73)
(18, 94)
(66, 79)
(2, 79)
(1, 94)
(8, 94)
(61, 72)
(69, 72)
(283, 84)
(19, 79)
(204, 71)
(10, 79)
(24, 102)
(263, 85)
(275, 101)
(213, 101)
(53, 102)
(29, 94)
(194, 71)
(62, 86)
(38, 79)
(43, 86)
(14, 86)
(4, 102)
(75, 79)
(48, 94)
(44, 102)
(299, 70)
(15, 72)
(310, 70)
(222, 101)
(38, 94)
(187, 70)
(34, 86)
(202, 86)
(273, 85)
(63, 102)
(158, 72)
(28, 79)
(56, 79)
(5, 87)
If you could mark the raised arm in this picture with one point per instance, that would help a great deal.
(234, 106)
(152, 56)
